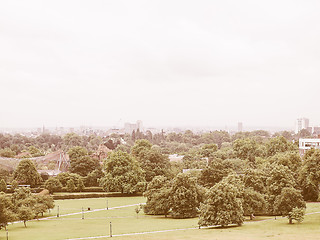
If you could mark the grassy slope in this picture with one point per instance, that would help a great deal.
(124, 221)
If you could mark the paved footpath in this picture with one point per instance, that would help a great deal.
(162, 231)
(95, 210)
(76, 213)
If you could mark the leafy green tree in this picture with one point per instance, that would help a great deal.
(213, 173)
(253, 202)
(80, 162)
(7, 152)
(122, 173)
(14, 185)
(24, 204)
(236, 164)
(22, 196)
(185, 196)
(26, 173)
(157, 194)
(153, 163)
(53, 185)
(84, 165)
(246, 149)
(279, 144)
(235, 180)
(289, 199)
(6, 210)
(35, 152)
(310, 189)
(254, 178)
(223, 154)
(217, 137)
(296, 214)
(71, 187)
(290, 159)
(92, 178)
(77, 152)
(140, 146)
(43, 203)
(27, 205)
(66, 176)
(286, 134)
(193, 160)
(207, 149)
(279, 177)
(25, 214)
(309, 175)
(5, 174)
(221, 206)
(72, 140)
(3, 186)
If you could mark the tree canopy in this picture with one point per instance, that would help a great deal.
(222, 206)
(26, 173)
(122, 173)
(185, 196)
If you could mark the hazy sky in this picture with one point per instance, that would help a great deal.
(212, 63)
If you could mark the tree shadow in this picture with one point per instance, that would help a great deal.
(221, 227)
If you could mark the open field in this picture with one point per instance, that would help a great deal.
(124, 221)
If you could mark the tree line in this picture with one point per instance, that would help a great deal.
(256, 173)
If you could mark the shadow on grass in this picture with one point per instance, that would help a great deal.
(221, 227)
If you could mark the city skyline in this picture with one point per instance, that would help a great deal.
(177, 63)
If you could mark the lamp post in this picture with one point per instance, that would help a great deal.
(58, 211)
(82, 213)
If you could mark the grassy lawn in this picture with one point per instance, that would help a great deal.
(124, 220)
(76, 205)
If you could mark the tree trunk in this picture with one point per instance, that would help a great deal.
(25, 223)
(290, 220)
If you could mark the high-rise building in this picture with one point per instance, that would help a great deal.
(240, 127)
(301, 123)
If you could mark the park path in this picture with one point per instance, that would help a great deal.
(76, 213)
(162, 231)
(90, 211)
(130, 234)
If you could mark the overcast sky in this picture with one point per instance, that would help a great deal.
(173, 63)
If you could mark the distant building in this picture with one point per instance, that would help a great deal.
(130, 127)
(175, 158)
(316, 131)
(308, 143)
(240, 126)
(301, 123)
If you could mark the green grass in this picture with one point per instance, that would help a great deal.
(76, 205)
(124, 221)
